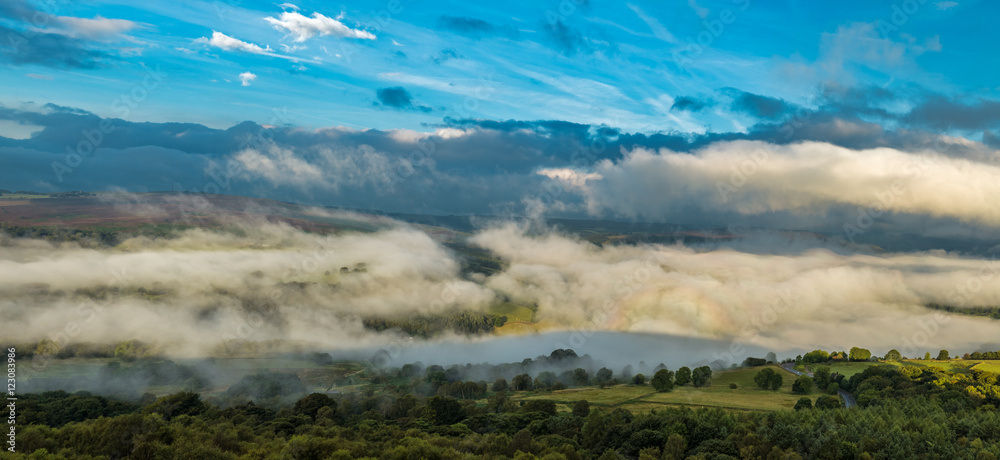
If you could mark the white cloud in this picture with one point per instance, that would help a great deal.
(701, 11)
(247, 78)
(97, 28)
(805, 179)
(227, 43)
(945, 5)
(288, 6)
(659, 30)
(302, 28)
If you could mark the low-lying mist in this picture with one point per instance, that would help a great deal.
(261, 282)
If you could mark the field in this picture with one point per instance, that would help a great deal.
(513, 311)
(640, 398)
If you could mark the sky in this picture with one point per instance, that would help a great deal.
(783, 114)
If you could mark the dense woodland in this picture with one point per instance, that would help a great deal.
(430, 411)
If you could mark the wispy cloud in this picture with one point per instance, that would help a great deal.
(302, 28)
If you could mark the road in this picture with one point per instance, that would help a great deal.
(847, 397)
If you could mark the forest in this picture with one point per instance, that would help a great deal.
(418, 411)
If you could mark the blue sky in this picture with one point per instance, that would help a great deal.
(636, 110)
(622, 65)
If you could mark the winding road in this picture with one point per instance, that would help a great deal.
(847, 397)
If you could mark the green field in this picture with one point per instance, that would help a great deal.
(513, 311)
(988, 366)
(745, 397)
(846, 369)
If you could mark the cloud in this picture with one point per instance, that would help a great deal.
(945, 5)
(492, 166)
(659, 31)
(246, 78)
(767, 297)
(398, 97)
(699, 10)
(565, 38)
(941, 113)
(49, 49)
(224, 42)
(804, 179)
(689, 104)
(757, 105)
(475, 28)
(302, 28)
(98, 28)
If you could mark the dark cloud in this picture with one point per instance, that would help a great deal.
(475, 28)
(939, 112)
(565, 38)
(758, 106)
(488, 168)
(20, 47)
(690, 104)
(446, 54)
(398, 97)
(20, 10)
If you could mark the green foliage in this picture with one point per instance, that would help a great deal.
(467, 323)
(311, 405)
(943, 355)
(860, 354)
(683, 376)
(768, 379)
(803, 403)
(893, 355)
(833, 388)
(802, 385)
(581, 408)
(700, 376)
(829, 402)
(267, 388)
(816, 356)
(663, 380)
(639, 379)
(822, 377)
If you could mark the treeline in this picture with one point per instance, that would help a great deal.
(989, 312)
(85, 237)
(911, 414)
(425, 326)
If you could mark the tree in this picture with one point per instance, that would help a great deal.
(522, 383)
(803, 403)
(605, 375)
(683, 376)
(700, 376)
(499, 385)
(310, 405)
(860, 354)
(663, 380)
(639, 379)
(816, 356)
(943, 355)
(445, 410)
(546, 379)
(893, 355)
(767, 378)
(821, 377)
(675, 448)
(771, 357)
(802, 385)
(927, 356)
(828, 402)
(833, 388)
(580, 377)
(581, 408)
